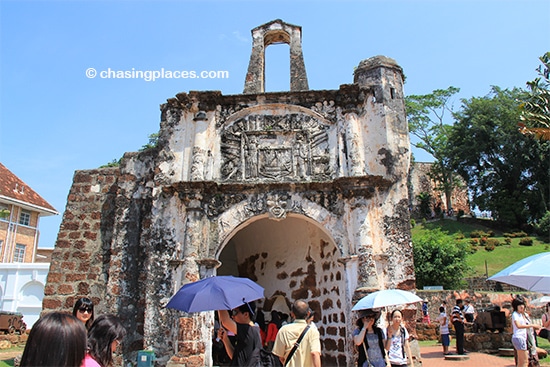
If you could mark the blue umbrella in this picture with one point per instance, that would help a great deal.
(385, 298)
(224, 292)
(531, 273)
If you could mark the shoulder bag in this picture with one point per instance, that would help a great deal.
(291, 354)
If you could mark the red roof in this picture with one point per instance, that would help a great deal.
(12, 187)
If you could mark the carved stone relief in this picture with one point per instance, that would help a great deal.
(289, 147)
(198, 165)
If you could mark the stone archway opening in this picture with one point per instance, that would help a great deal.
(277, 63)
(296, 259)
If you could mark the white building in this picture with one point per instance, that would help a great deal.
(23, 269)
(22, 289)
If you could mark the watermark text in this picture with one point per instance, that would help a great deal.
(152, 75)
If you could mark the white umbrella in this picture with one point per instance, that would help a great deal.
(541, 301)
(385, 298)
(531, 273)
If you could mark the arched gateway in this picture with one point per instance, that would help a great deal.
(305, 192)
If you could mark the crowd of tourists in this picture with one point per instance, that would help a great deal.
(78, 340)
(81, 340)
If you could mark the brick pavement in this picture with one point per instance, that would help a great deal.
(432, 356)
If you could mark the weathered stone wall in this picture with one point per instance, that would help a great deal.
(304, 192)
(420, 181)
(479, 299)
(14, 340)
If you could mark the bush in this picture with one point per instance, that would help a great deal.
(483, 241)
(459, 236)
(491, 233)
(508, 241)
(474, 242)
(526, 241)
(439, 259)
(413, 223)
(543, 226)
(493, 241)
(489, 247)
(477, 234)
(515, 234)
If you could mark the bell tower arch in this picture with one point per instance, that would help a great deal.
(267, 34)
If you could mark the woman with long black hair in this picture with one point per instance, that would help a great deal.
(84, 311)
(521, 328)
(370, 339)
(104, 337)
(56, 339)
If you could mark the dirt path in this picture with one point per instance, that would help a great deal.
(7, 355)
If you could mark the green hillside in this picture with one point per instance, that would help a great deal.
(497, 259)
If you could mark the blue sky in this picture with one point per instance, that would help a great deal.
(54, 120)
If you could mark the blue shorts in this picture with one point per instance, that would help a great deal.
(445, 340)
(519, 343)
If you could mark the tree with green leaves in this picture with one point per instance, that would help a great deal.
(427, 116)
(506, 172)
(439, 259)
(535, 111)
(153, 142)
(535, 122)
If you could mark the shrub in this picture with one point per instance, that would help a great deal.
(474, 242)
(508, 241)
(493, 241)
(491, 233)
(543, 226)
(489, 247)
(477, 234)
(459, 236)
(483, 241)
(439, 259)
(526, 241)
(413, 223)
(515, 234)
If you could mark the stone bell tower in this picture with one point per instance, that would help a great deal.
(270, 33)
(304, 192)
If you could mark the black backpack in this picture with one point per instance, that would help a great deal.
(268, 359)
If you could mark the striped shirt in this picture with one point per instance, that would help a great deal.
(456, 315)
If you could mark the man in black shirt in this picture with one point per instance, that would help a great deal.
(246, 351)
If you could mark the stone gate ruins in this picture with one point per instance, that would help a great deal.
(304, 192)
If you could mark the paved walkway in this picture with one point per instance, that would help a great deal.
(432, 356)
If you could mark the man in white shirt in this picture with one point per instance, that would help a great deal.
(308, 353)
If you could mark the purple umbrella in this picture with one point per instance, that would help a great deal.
(223, 292)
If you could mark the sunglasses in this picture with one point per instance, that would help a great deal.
(85, 309)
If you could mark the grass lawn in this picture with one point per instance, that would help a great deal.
(7, 356)
(483, 261)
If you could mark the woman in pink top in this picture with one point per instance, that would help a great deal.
(104, 337)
